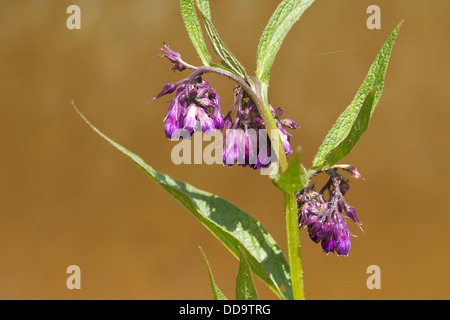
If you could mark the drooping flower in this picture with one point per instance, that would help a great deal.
(324, 219)
(247, 141)
(195, 105)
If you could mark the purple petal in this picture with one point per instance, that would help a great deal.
(230, 151)
(218, 120)
(328, 229)
(315, 231)
(278, 112)
(285, 140)
(206, 122)
(327, 245)
(190, 121)
(257, 122)
(170, 127)
(343, 245)
(251, 146)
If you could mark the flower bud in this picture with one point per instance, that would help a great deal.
(173, 57)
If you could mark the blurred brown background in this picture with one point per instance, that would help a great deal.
(67, 197)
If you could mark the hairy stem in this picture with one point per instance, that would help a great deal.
(293, 240)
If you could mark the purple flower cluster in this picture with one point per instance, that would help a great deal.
(195, 106)
(247, 142)
(324, 218)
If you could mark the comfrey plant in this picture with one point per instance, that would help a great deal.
(256, 135)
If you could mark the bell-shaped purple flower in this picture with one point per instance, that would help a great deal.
(190, 118)
(284, 135)
(195, 105)
(173, 118)
(327, 245)
(343, 244)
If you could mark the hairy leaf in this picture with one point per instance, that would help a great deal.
(353, 122)
(203, 5)
(284, 17)
(245, 288)
(228, 59)
(194, 30)
(356, 130)
(217, 294)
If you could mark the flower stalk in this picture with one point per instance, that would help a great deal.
(290, 199)
(293, 242)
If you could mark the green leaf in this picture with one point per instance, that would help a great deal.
(217, 294)
(230, 224)
(294, 178)
(284, 17)
(353, 122)
(203, 5)
(286, 14)
(194, 30)
(357, 128)
(228, 59)
(245, 288)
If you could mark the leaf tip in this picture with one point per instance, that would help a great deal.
(74, 106)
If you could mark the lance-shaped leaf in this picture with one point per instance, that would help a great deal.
(217, 294)
(353, 122)
(230, 224)
(357, 128)
(245, 287)
(284, 17)
(194, 30)
(228, 59)
(203, 6)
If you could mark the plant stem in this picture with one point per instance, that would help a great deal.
(293, 240)
(259, 96)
